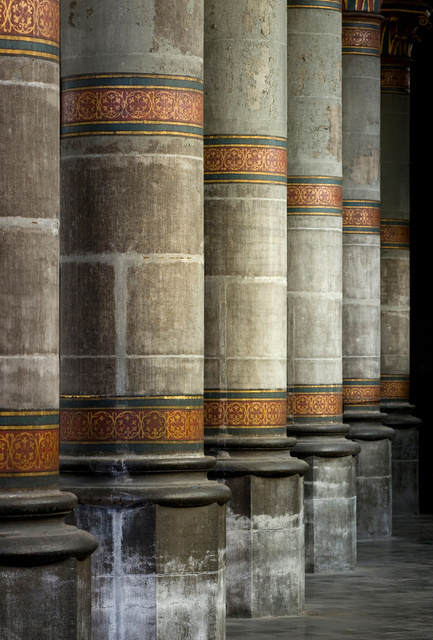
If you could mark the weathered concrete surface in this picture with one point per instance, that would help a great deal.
(265, 547)
(153, 561)
(54, 602)
(374, 489)
(314, 277)
(361, 270)
(395, 296)
(245, 303)
(330, 514)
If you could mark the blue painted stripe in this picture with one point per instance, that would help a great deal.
(131, 127)
(136, 80)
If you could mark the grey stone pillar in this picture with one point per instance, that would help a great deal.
(314, 234)
(361, 266)
(398, 32)
(132, 317)
(44, 565)
(245, 305)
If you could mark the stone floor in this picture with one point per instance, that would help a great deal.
(388, 595)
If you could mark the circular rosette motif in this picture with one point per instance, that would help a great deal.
(139, 105)
(102, 425)
(164, 105)
(255, 159)
(214, 414)
(256, 413)
(154, 425)
(196, 424)
(293, 195)
(236, 414)
(87, 105)
(49, 450)
(24, 451)
(127, 425)
(302, 405)
(48, 19)
(276, 161)
(177, 424)
(22, 16)
(185, 106)
(111, 105)
(78, 423)
(234, 159)
(213, 159)
(276, 413)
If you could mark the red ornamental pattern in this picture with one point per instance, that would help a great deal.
(130, 425)
(245, 413)
(394, 234)
(361, 38)
(132, 104)
(248, 158)
(395, 79)
(361, 217)
(314, 195)
(359, 394)
(30, 18)
(315, 404)
(29, 451)
(395, 389)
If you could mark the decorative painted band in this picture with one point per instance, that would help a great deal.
(358, 391)
(333, 5)
(233, 410)
(369, 6)
(394, 387)
(361, 216)
(315, 403)
(395, 78)
(394, 234)
(30, 28)
(360, 36)
(314, 195)
(29, 443)
(132, 104)
(131, 420)
(245, 159)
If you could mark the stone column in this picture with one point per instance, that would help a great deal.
(132, 317)
(398, 32)
(361, 265)
(44, 565)
(314, 234)
(245, 305)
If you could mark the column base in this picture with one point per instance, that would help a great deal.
(265, 526)
(160, 569)
(405, 454)
(44, 568)
(373, 473)
(330, 498)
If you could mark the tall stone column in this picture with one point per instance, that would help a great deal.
(44, 565)
(314, 232)
(361, 265)
(245, 305)
(132, 317)
(398, 32)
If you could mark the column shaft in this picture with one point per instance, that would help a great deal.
(315, 284)
(361, 266)
(245, 298)
(132, 317)
(44, 565)
(397, 37)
